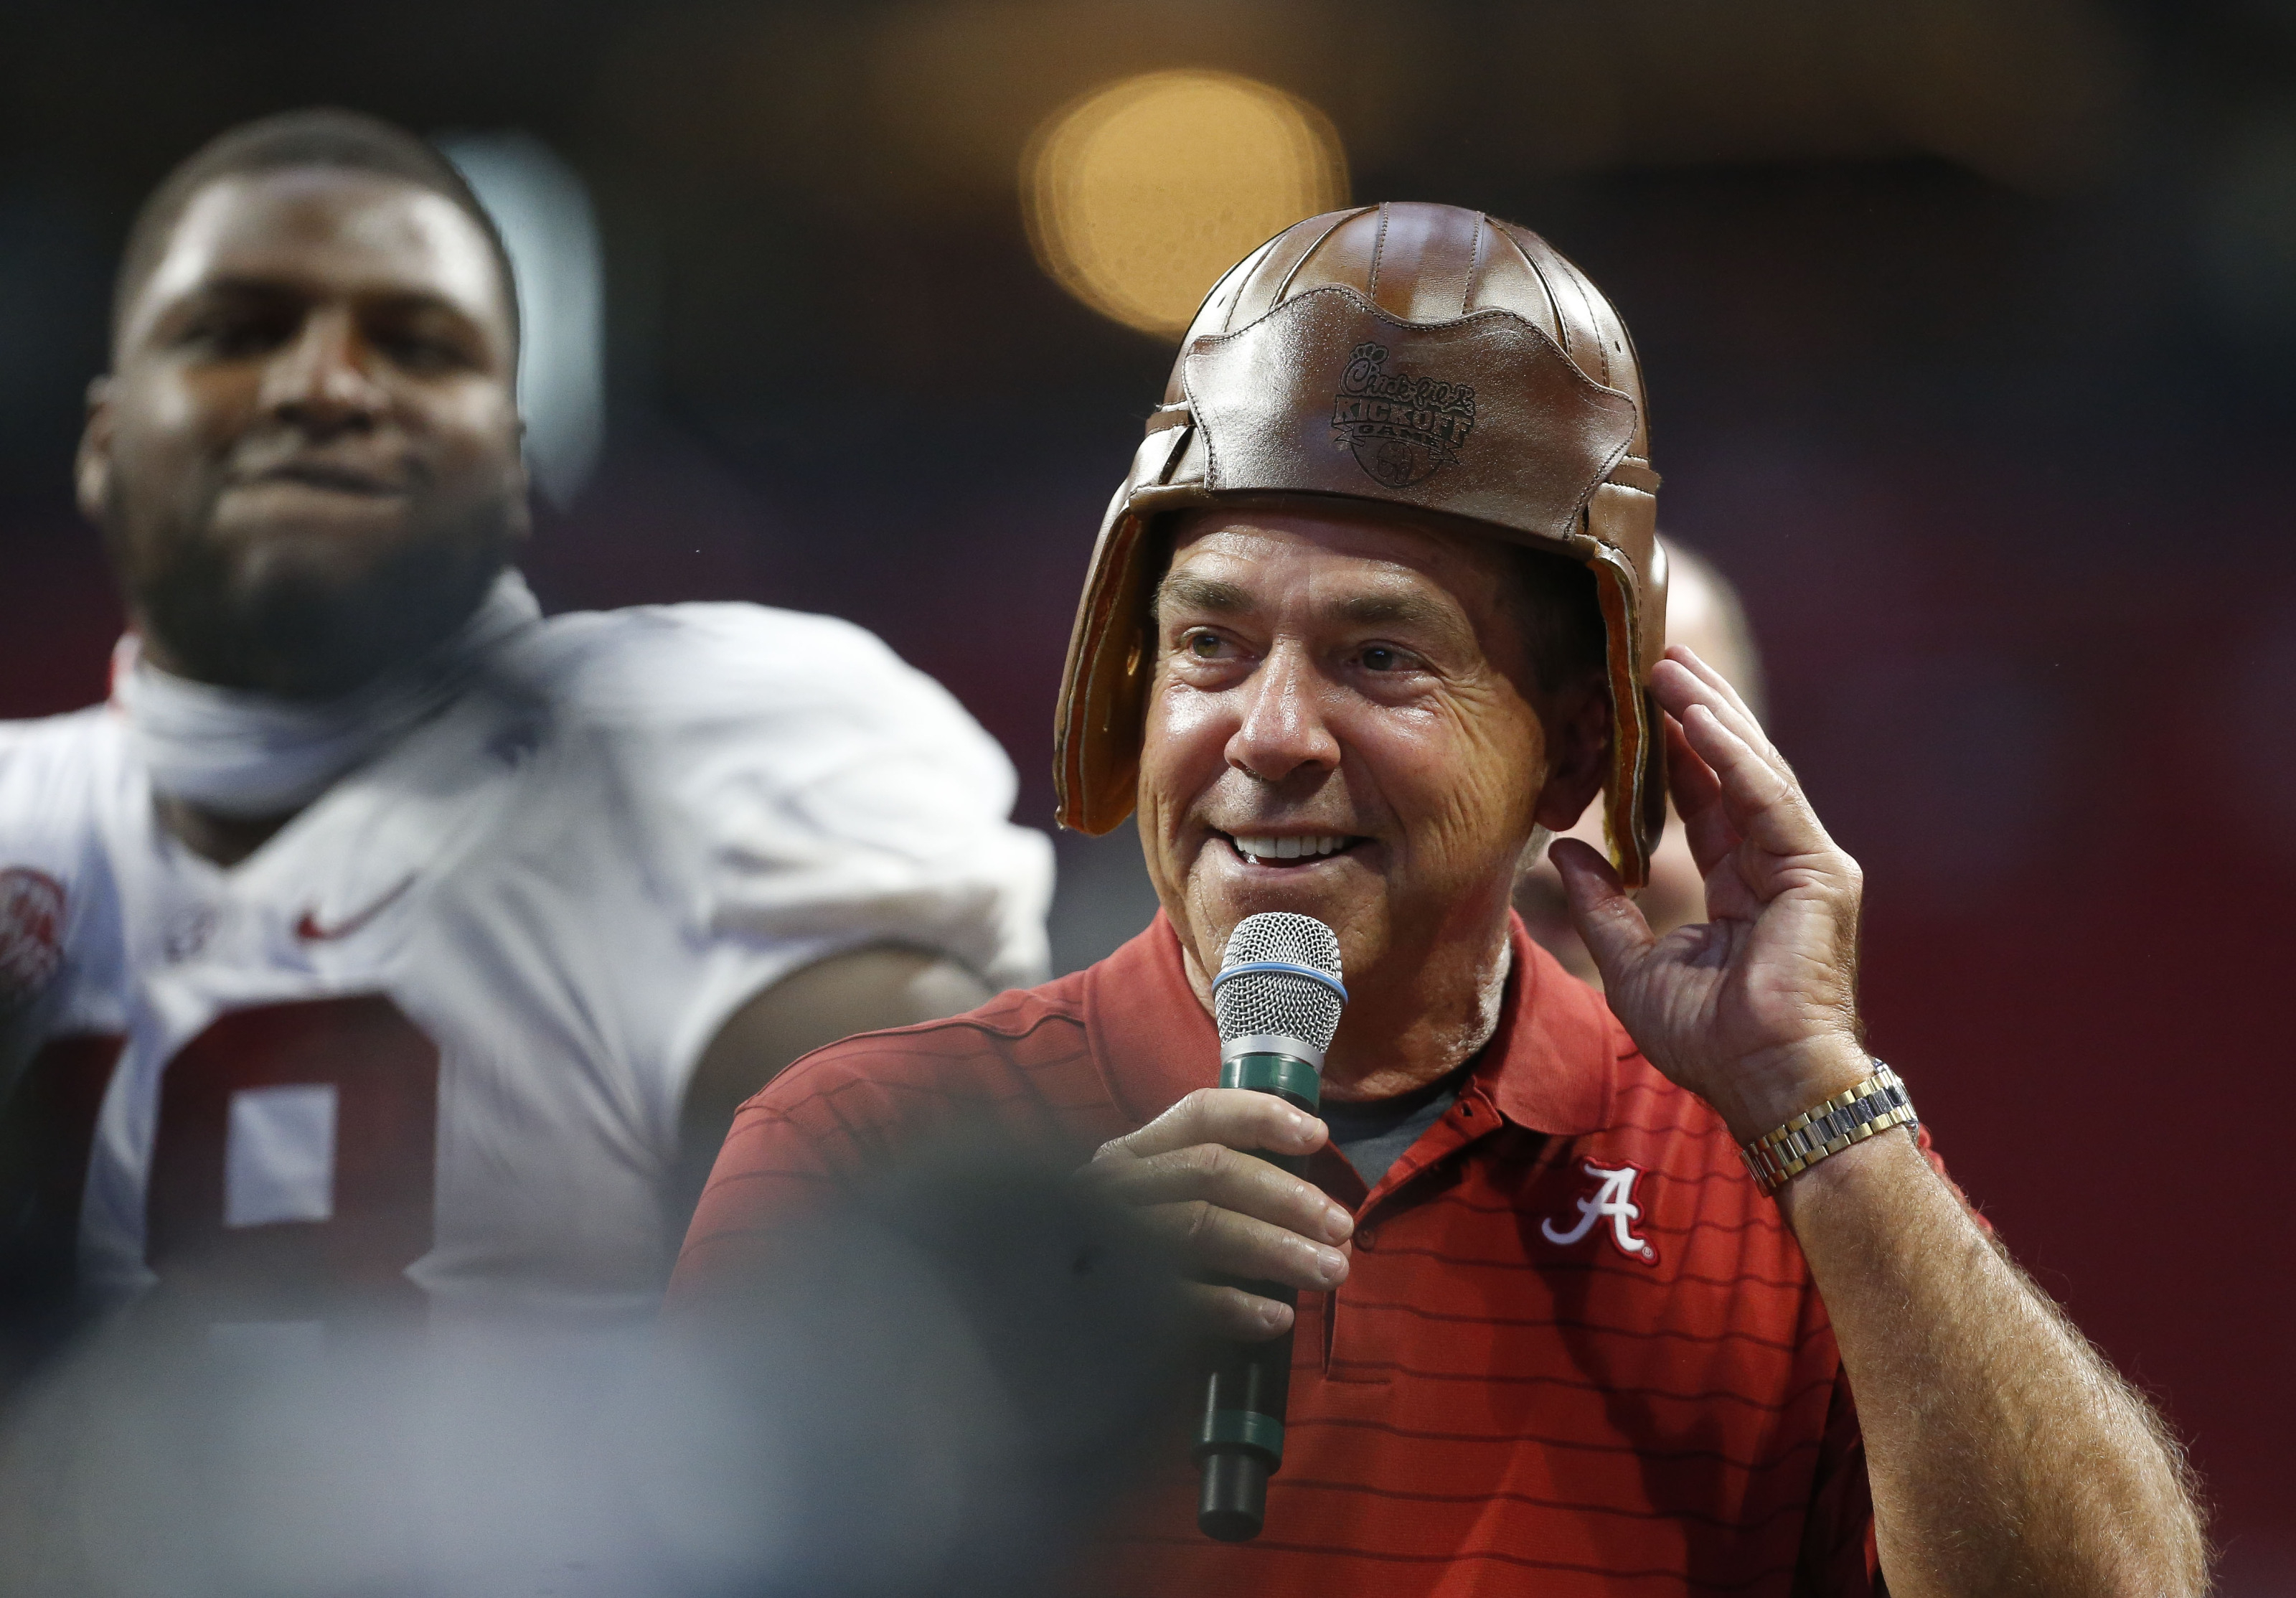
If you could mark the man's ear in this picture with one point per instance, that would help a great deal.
(1578, 756)
(92, 466)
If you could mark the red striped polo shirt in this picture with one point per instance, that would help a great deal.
(1576, 1351)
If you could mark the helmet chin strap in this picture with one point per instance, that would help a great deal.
(250, 755)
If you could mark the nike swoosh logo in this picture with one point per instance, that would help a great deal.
(310, 931)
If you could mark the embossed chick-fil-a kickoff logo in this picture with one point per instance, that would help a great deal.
(1402, 428)
(1612, 1200)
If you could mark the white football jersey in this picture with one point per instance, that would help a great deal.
(433, 1038)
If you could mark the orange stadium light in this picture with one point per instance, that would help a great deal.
(1141, 193)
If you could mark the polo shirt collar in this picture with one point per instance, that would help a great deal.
(1153, 1043)
(1553, 1063)
(1550, 1066)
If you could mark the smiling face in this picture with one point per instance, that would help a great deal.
(1345, 721)
(306, 462)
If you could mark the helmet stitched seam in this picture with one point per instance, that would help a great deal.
(1284, 288)
(1554, 308)
(1474, 264)
(1377, 249)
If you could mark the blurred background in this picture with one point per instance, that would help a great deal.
(1969, 328)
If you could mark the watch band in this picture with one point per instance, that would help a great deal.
(1875, 1105)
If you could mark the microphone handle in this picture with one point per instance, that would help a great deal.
(1240, 1437)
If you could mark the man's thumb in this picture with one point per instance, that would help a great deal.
(1609, 923)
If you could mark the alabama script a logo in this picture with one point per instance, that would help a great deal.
(1612, 1200)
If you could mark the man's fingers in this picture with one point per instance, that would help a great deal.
(1233, 1116)
(1689, 778)
(1230, 1313)
(1698, 668)
(1698, 802)
(1609, 923)
(1740, 715)
(1679, 684)
(1229, 1179)
(1763, 803)
(1220, 1242)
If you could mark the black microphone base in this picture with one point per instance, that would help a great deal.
(1239, 1442)
(1234, 1503)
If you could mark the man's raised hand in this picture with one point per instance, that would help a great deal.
(1756, 1010)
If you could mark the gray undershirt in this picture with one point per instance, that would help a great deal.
(1374, 1133)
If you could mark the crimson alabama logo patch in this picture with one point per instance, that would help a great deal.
(31, 933)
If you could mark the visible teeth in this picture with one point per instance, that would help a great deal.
(1290, 849)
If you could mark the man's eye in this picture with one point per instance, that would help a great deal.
(414, 353)
(1204, 646)
(1379, 657)
(233, 333)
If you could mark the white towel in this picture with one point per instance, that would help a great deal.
(242, 754)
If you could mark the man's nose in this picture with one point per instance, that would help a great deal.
(1283, 729)
(320, 381)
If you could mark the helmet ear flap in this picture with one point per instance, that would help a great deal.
(1101, 720)
(1653, 783)
(1633, 793)
(1649, 649)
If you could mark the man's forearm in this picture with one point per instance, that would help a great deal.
(2006, 1456)
(866, 990)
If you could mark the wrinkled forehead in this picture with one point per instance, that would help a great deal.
(325, 232)
(1341, 551)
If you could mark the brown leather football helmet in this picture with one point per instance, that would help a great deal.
(1419, 356)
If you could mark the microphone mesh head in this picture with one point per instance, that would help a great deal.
(1278, 1004)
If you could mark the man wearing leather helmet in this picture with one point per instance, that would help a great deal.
(1654, 1297)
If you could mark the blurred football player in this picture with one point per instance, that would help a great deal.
(1702, 610)
(379, 941)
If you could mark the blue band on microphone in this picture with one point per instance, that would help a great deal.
(1290, 968)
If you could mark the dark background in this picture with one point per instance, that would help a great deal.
(1968, 325)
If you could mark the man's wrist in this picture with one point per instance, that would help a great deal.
(1877, 1104)
(1774, 1087)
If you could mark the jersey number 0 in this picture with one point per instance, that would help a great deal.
(294, 1159)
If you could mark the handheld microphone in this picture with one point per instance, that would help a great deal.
(1277, 998)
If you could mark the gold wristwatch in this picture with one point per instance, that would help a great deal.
(1852, 1115)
